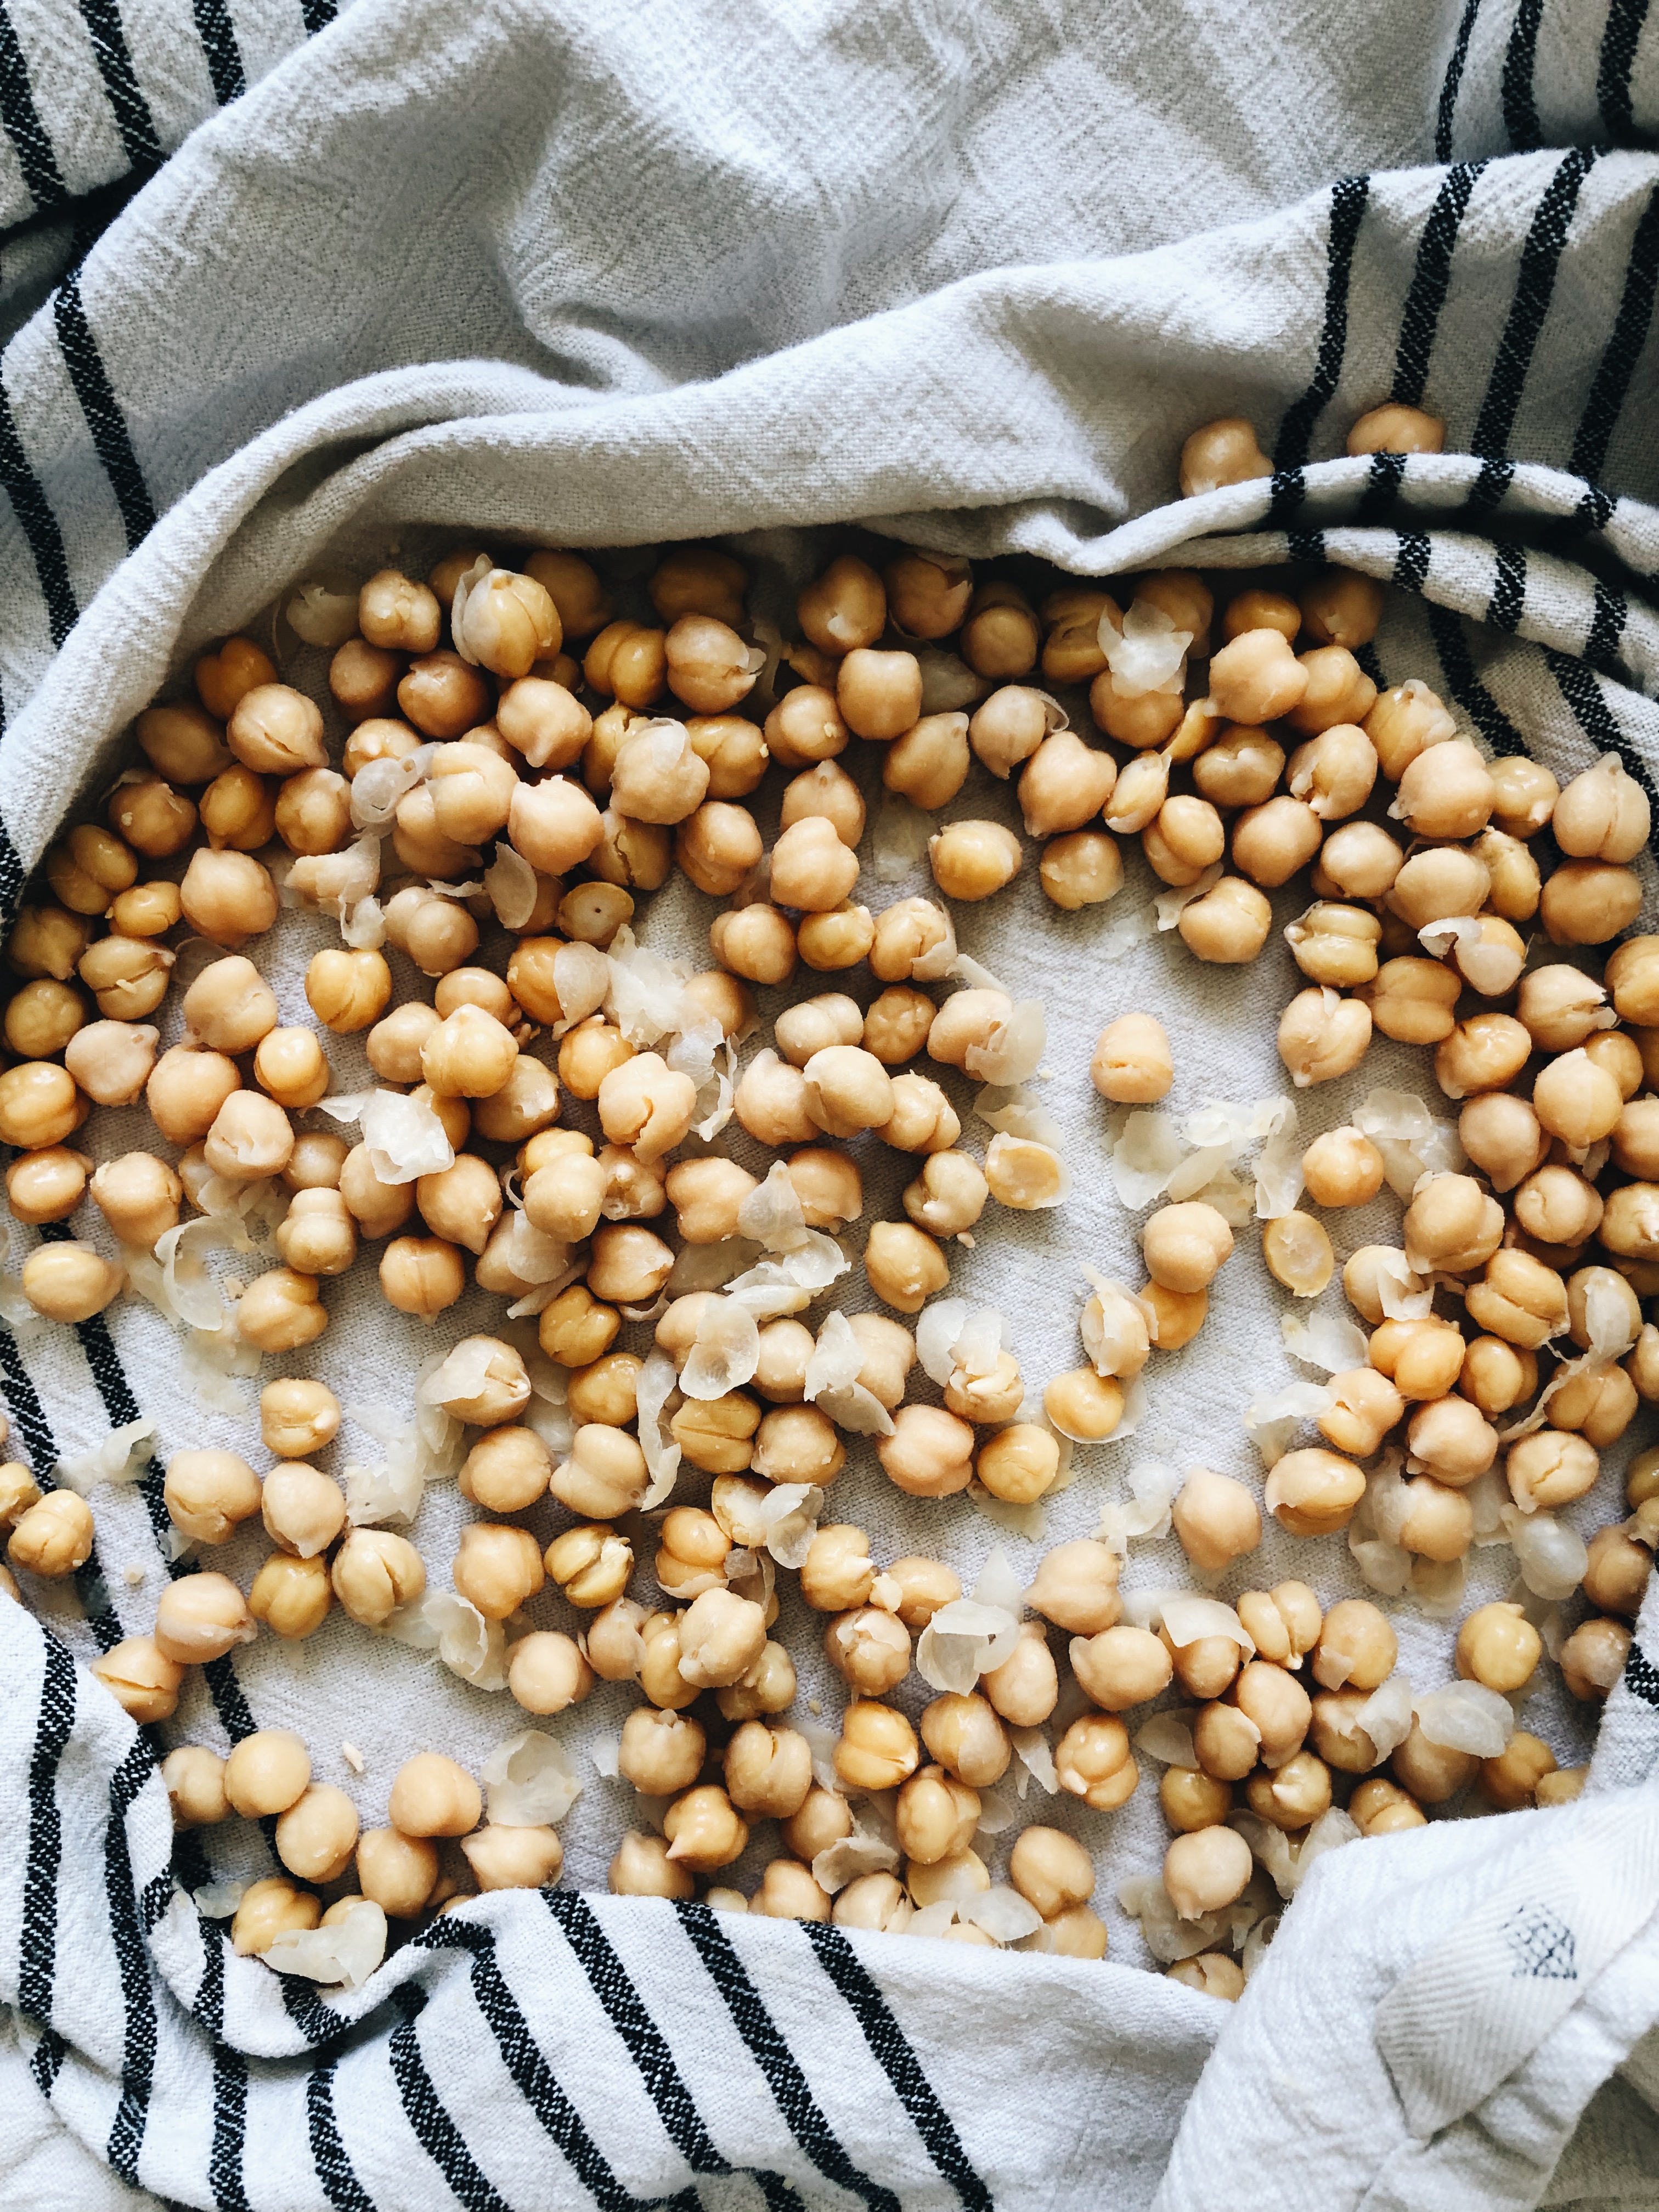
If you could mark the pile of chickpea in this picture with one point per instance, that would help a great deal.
(1246, 762)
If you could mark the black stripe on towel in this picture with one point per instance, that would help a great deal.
(897, 2061)
(1540, 257)
(436, 2133)
(1348, 198)
(334, 2168)
(111, 438)
(12, 876)
(1366, 656)
(37, 1964)
(126, 2135)
(1388, 473)
(612, 1985)
(1454, 78)
(536, 2082)
(1626, 19)
(1431, 277)
(126, 101)
(1641, 1675)
(1606, 628)
(1446, 628)
(318, 14)
(1617, 365)
(1410, 561)
(1520, 62)
(310, 2015)
(224, 56)
(47, 2063)
(38, 525)
(1590, 710)
(1509, 591)
(801, 2111)
(22, 124)
(225, 2154)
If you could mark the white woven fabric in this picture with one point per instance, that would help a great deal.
(615, 275)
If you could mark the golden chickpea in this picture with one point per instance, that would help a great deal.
(1342, 1168)
(721, 1636)
(397, 1872)
(42, 1018)
(291, 1596)
(769, 1770)
(1313, 1492)
(838, 1573)
(1191, 1799)
(1082, 869)
(1257, 679)
(1509, 1781)
(1144, 720)
(1229, 925)
(1393, 428)
(431, 1796)
(1367, 1405)
(1519, 1299)
(805, 726)
(469, 1055)
(1323, 1035)
(929, 763)
(904, 1266)
(1270, 841)
(1292, 1796)
(317, 1836)
(141, 1678)
(70, 1282)
(1495, 1375)
(603, 1476)
(838, 939)
(1120, 1666)
(201, 1617)
(1185, 1245)
(513, 1858)
(1221, 452)
(348, 989)
(1335, 945)
(972, 860)
(271, 1907)
(577, 1327)
(708, 663)
(1621, 1566)
(628, 1264)
(642, 1867)
(1424, 1359)
(547, 1671)
(1183, 838)
(497, 1568)
(363, 681)
(227, 897)
(504, 622)
(1593, 1658)
(1601, 815)
(49, 1184)
(553, 825)
(1226, 1742)
(948, 1196)
(1588, 901)
(717, 846)
(1501, 1134)
(1241, 768)
(127, 977)
(1550, 1468)
(845, 608)
(1000, 636)
(812, 870)
(879, 694)
(1076, 1586)
(208, 1492)
(1438, 882)
(154, 819)
(572, 585)
(398, 615)
(704, 1830)
(966, 1735)
(47, 941)
(374, 1572)
(1498, 1646)
(1132, 1062)
(1216, 1519)
(1092, 1761)
(195, 1780)
(1431, 1772)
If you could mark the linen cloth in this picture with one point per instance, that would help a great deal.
(618, 276)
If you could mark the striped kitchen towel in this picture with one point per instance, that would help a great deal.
(616, 271)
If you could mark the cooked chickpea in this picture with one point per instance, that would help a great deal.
(1185, 1245)
(271, 1907)
(577, 1327)
(1590, 901)
(201, 1617)
(154, 819)
(718, 844)
(1322, 1036)
(1313, 1492)
(972, 860)
(1132, 1062)
(1519, 1299)
(604, 1475)
(347, 988)
(1216, 1519)
(431, 1796)
(1092, 1761)
(70, 1282)
(1082, 869)
(1550, 1468)
(592, 1566)
(291, 1596)
(1257, 679)
(1293, 1795)
(1509, 1781)
(1229, 925)
(1501, 1134)
(1593, 1658)
(374, 1572)
(1221, 452)
(497, 1568)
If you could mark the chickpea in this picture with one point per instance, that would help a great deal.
(577, 1327)
(1076, 1586)
(604, 1475)
(48, 1184)
(642, 1867)
(1229, 925)
(1550, 1468)
(1185, 1245)
(948, 1196)
(1495, 1375)
(879, 694)
(1501, 1134)
(1132, 1062)
(347, 988)
(374, 1572)
(845, 609)
(1216, 1519)
(498, 1568)
(208, 1492)
(201, 1617)
(769, 1770)
(1313, 1492)
(838, 939)
(143, 1681)
(1424, 1359)
(1092, 1761)
(302, 1509)
(1119, 1667)
(42, 1018)
(271, 1907)
(1257, 679)
(1519, 1299)
(1393, 428)
(1509, 1781)
(1322, 1036)
(1593, 1658)
(1082, 869)
(1590, 901)
(1065, 784)
(195, 1780)
(1430, 1771)
(431, 1796)
(1292, 1796)
(1498, 1646)
(1342, 1168)
(972, 860)
(1222, 453)
(70, 1282)
(153, 818)
(718, 845)
(966, 1735)
(291, 1596)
